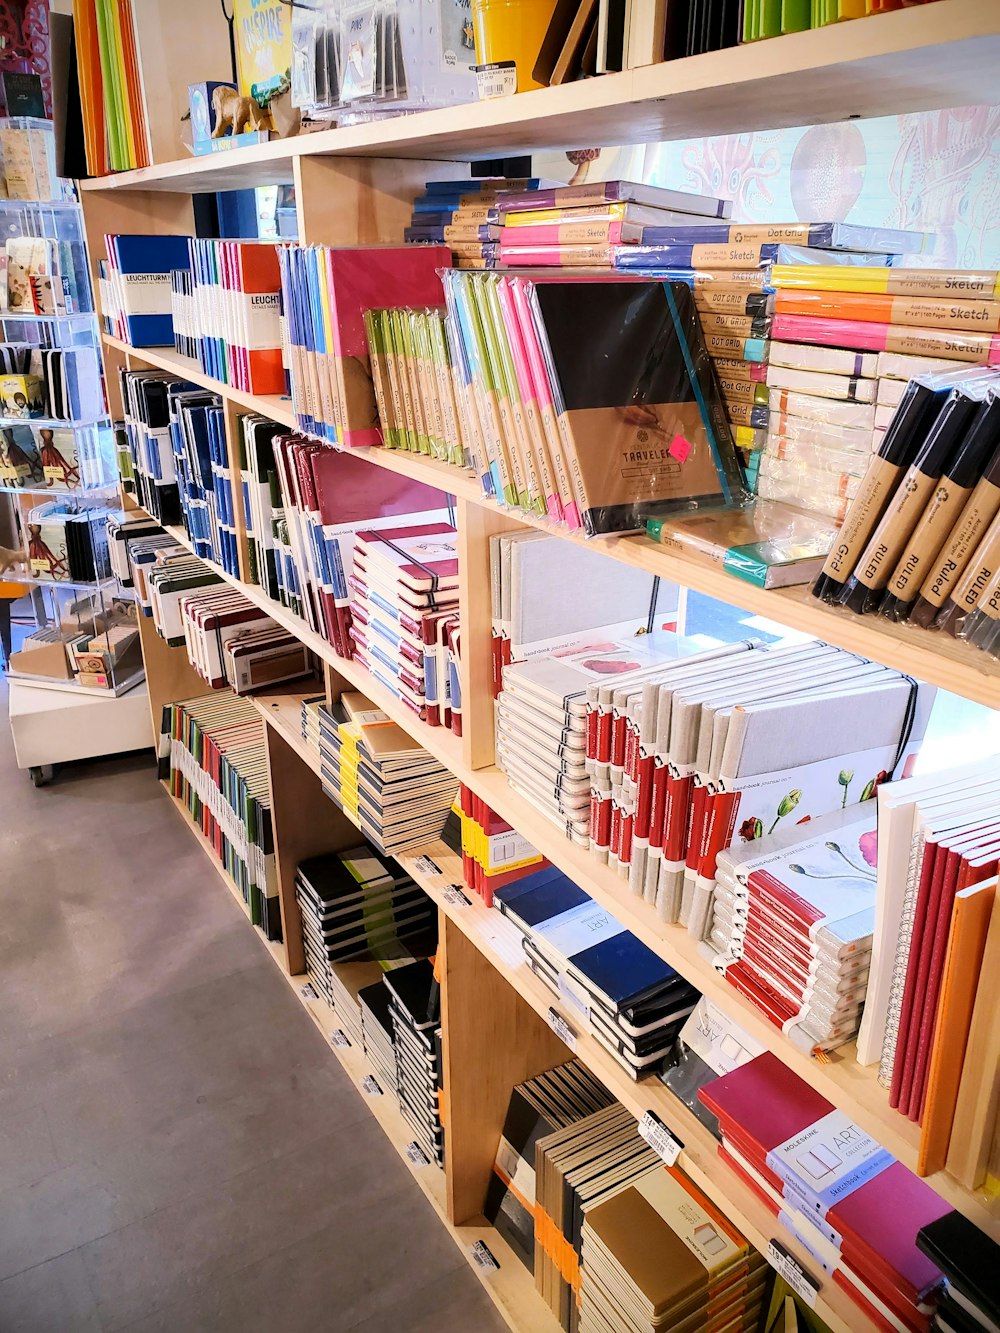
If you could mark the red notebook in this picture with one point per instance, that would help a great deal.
(766, 1104)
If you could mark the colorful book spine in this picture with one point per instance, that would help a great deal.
(942, 284)
(881, 337)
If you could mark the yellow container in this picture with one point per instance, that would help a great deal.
(511, 30)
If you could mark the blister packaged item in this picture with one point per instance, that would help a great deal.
(822, 384)
(361, 59)
(826, 458)
(822, 492)
(977, 580)
(771, 545)
(638, 405)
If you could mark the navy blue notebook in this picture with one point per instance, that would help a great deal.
(622, 969)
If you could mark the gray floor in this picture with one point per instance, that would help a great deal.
(179, 1151)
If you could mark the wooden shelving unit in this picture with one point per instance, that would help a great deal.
(355, 185)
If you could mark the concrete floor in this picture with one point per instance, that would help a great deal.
(179, 1151)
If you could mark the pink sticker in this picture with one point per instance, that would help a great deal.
(679, 448)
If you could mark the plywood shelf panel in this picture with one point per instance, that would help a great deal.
(929, 56)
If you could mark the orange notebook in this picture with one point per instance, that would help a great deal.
(970, 925)
(91, 86)
(879, 308)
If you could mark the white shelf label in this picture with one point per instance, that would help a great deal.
(426, 866)
(339, 1038)
(308, 991)
(416, 1154)
(496, 80)
(453, 894)
(561, 1028)
(370, 1087)
(659, 1138)
(801, 1282)
(484, 1256)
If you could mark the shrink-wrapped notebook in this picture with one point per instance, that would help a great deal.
(638, 405)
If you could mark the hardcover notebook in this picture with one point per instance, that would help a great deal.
(637, 401)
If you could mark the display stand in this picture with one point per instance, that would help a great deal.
(51, 729)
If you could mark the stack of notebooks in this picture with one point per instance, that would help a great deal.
(309, 721)
(918, 541)
(325, 292)
(212, 756)
(164, 573)
(577, 1168)
(730, 745)
(596, 433)
(858, 1213)
(146, 407)
(44, 276)
(234, 311)
(230, 641)
(405, 586)
(67, 544)
(933, 971)
(461, 214)
(115, 129)
(542, 738)
(377, 1034)
(304, 504)
(792, 924)
(552, 1101)
(658, 1255)
(357, 906)
(60, 384)
(493, 853)
(628, 998)
(397, 793)
(135, 287)
(968, 1258)
(549, 595)
(186, 339)
(415, 1009)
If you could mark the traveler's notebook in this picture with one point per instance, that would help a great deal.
(638, 406)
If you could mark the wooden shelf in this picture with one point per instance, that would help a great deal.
(511, 1286)
(842, 1080)
(916, 59)
(935, 658)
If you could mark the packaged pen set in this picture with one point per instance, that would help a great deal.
(921, 540)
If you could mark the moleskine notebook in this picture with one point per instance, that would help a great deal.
(638, 405)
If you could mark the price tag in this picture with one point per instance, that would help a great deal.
(659, 1138)
(308, 991)
(339, 1038)
(561, 1028)
(453, 894)
(416, 1154)
(484, 1256)
(370, 1087)
(496, 80)
(801, 1282)
(426, 866)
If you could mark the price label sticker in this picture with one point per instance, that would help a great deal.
(339, 1038)
(498, 79)
(370, 1087)
(484, 1256)
(453, 894)
(416, 1154)
(561, 1028)
(308, 991)
(426, 866)
(801, 1282)
(659, 1138)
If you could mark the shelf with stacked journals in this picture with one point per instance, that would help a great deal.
(939, 660)
(199, 436)
(913, 59)
(839, 1077)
